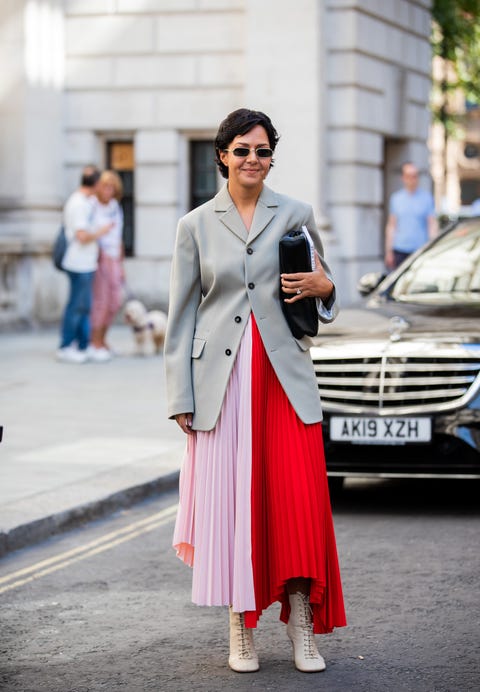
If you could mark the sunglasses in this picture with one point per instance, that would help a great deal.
(242, 152)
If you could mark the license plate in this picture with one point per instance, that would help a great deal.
(395, 431)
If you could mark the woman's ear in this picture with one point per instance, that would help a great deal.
(223, 155)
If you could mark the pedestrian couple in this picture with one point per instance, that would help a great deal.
(93, 262)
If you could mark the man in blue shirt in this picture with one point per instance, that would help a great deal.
(411, 221)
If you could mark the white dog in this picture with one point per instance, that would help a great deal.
(146, 325)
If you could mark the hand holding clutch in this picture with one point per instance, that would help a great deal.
(296, 254)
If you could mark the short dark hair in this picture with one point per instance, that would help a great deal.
(90, 176)
(240, 122)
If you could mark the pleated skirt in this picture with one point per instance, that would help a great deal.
(254, 508)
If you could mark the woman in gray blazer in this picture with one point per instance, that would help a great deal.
(254, 518)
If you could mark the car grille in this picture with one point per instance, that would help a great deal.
(388, 383)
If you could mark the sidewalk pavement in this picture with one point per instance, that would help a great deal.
(79, 440)
(82, 440)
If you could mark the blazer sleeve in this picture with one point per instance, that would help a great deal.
(327, 311)
(185, 297)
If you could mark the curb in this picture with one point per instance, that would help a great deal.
(41, 529)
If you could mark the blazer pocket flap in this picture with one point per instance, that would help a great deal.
(197, 348)
(302, 345)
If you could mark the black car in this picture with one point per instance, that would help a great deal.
(400, 383)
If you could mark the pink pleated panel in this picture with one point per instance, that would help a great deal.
(292, 528)
(184, 532)
(213, 528)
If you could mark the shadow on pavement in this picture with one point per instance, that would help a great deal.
(408, 496)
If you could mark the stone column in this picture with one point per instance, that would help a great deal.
(31, 83)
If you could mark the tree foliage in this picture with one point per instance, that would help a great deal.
(456, 39)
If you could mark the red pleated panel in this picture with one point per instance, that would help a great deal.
(292, 527)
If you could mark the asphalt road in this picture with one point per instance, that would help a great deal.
(107, 606)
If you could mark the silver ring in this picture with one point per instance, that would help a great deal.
(299, 290)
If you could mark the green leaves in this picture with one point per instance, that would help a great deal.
(456, 39)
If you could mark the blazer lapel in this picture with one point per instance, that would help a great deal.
(229, 215)
(264, 212)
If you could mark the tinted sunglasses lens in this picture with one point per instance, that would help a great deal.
(240, 151)
(262, 153)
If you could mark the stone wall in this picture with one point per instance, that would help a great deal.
(345, 81)
(378, 81)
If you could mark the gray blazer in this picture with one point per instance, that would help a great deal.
(220, 273)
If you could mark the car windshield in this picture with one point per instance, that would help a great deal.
(448, 272)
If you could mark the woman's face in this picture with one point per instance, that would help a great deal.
(248, 171)
(105, 192)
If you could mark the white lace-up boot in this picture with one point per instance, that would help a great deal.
(243, 658)
(300, 631)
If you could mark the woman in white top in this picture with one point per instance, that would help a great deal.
(109, 277)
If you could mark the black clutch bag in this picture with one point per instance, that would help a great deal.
(295, 256)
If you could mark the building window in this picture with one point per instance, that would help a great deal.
(120, 158)
(469, 191)
(203, 172)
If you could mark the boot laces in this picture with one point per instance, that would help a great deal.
(309, 646)
(243, 639)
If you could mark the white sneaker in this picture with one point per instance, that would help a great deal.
(99, 355)
(68, 354)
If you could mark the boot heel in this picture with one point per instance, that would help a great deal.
(300, 632)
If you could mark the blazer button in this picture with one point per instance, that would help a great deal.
(251, 285)
(238, 318)
(228, 352)
(249, 251)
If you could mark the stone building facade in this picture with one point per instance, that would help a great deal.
(141, 85)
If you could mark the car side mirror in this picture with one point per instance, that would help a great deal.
(368, 282)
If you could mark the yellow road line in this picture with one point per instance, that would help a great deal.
(107, 537)
(100, 545)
